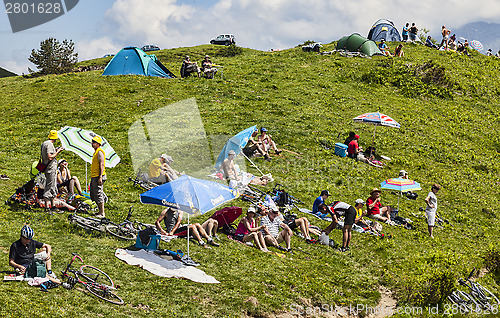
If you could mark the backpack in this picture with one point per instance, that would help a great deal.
(229, 229)
(36, 269)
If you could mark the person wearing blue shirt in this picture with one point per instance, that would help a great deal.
(384, 48)
(405, 32)
(321, 199)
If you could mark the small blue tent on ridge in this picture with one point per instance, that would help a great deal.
(133, 61)
(384, 29)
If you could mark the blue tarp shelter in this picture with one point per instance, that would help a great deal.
(384, 29)
(134, 61)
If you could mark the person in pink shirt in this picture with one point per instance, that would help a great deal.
(247, 231)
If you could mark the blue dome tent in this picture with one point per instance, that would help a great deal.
(384, 29)
(134, 61)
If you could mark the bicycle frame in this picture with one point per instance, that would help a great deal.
(476, 292)
(100, 290)
(68, 268)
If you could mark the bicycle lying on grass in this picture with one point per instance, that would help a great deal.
(142, 180)
(97, 282)
(478, 299)
(87, 223)
(127, 230)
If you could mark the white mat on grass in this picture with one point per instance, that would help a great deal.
(154, 264)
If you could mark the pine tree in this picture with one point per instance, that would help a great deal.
(54, 57)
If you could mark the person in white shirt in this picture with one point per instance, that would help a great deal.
(431, 208)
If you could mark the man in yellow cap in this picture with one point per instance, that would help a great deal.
(98, 175)
(48, 155)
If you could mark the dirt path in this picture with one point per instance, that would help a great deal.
(386, 306)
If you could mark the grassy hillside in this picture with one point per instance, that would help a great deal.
(449, 113)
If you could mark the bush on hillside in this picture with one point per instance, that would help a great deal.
(428, 79)
(492, 260)
(430, 288)
(231, 50)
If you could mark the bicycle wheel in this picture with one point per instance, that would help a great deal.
(471, 301)
(95, 275)
(104, 293)
(463, 300)
(121, 232)
(86, 223)
(489, 298)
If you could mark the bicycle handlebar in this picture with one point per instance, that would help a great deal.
(471, 273)
(75, 256)
(129, 213)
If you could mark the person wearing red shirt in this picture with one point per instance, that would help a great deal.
(375, 210)
(353, 148)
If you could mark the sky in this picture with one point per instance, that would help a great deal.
(99, 27)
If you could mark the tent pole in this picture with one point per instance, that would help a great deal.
(253, 164)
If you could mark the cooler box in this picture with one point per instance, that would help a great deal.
(340, 149)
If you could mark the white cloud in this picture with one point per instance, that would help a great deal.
(91, 49)
(261, 24)
(265, 24)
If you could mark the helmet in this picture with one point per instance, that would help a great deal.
(27, 232)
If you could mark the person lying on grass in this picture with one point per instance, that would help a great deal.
(337, 209)
(272, 234)
(172, 219)
(247, 231)
(23, 256)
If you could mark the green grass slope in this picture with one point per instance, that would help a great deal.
(449, 113)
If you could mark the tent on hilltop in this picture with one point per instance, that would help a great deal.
(357, 43)
(384, 29)
(134, 61)
(6, 73)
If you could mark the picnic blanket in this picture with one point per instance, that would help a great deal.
(161, 267)
(324, 217)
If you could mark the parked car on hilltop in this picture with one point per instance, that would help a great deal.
(147, 48)
(224, 39)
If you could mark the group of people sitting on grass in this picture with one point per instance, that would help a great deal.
(56, 188)
(207, 67)
(354, 151)
(260, 145)
(384, 48)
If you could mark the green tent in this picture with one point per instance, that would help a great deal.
(357, 43)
